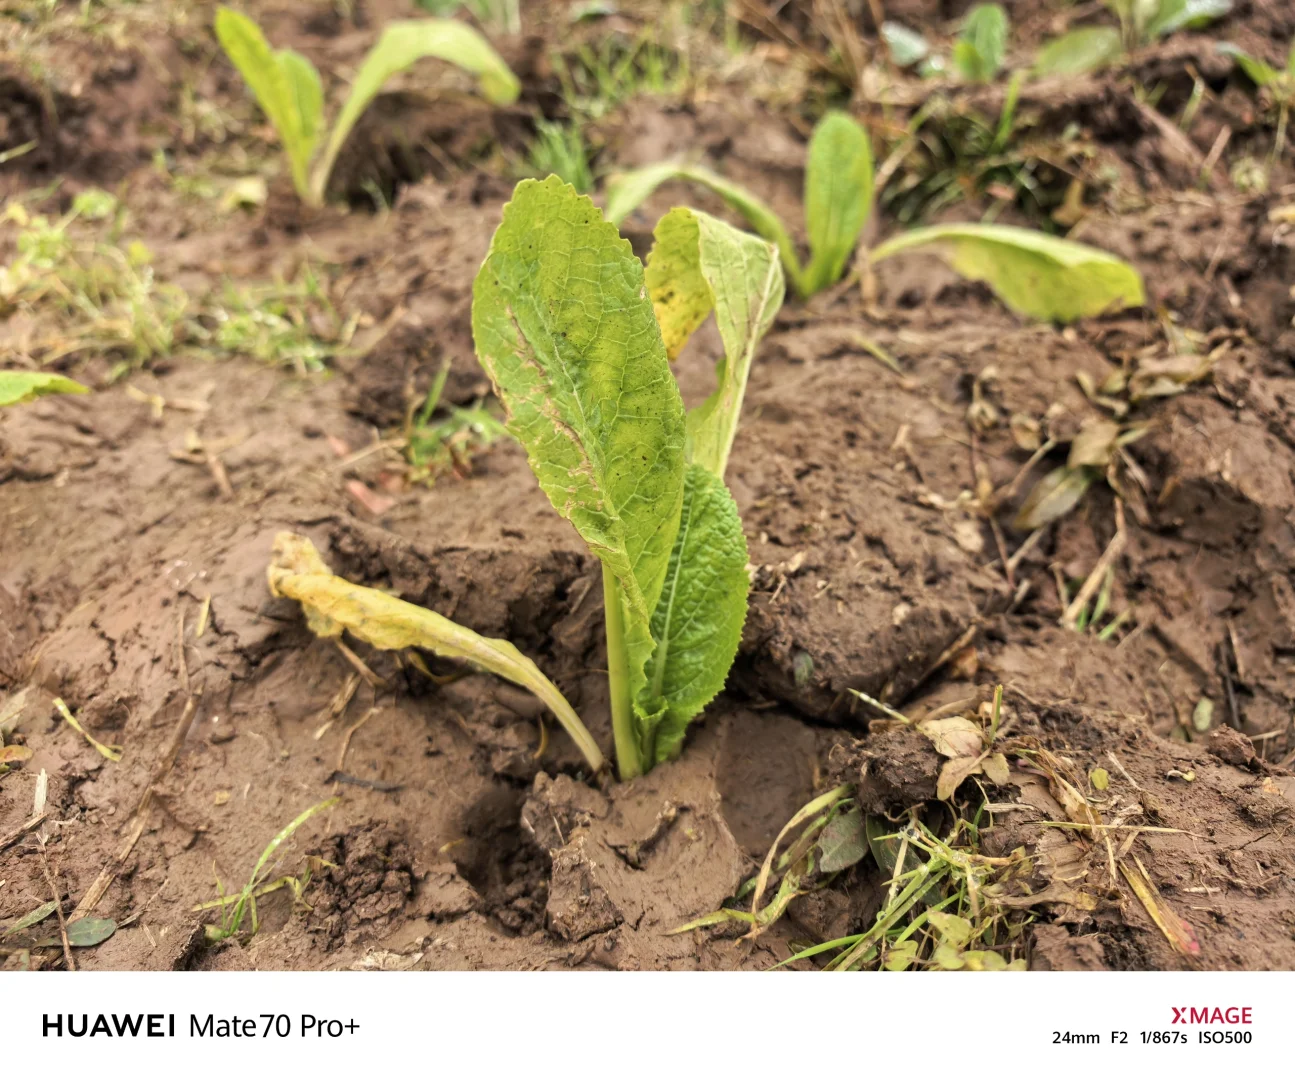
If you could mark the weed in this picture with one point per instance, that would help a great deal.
(433, 446)
(237, 907)
(560, 150)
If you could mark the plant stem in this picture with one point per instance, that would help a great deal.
(624, 730)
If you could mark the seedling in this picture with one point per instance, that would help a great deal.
(1034, 274)
(433, 446)
(1141, 22)
(238, 906)
(977, 54)
(1280, 85)
(980, 48)
(576, 338)
(289, 91)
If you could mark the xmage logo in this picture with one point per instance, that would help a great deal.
(1212, 1014)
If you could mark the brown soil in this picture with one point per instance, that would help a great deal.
(456, 844)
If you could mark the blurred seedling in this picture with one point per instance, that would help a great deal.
(237, 907)
(290, 93)
(1034, 274)
(1141, 22)
(1277, 87)
(434, 446)
(977, 55)
(599, 77)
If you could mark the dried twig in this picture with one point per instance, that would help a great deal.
(1094, 580)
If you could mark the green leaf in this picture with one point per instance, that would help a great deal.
(286, 86)
(19, 386)
(1079, 52)
(83, 933)
(1054, 496)
(699, 264)
(1040, 276)
(1290, 61)
(1185, 15)
(565, 330)
(838, 198)
(1260, 73)
(697, 625)
(982, 45)
(626, 191)
(843, 842)
(33, 917)
(402, 44)
(906, 46)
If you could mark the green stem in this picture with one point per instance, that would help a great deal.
(624, 729)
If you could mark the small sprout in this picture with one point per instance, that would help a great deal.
(1100, 779)
(980, 48)
(1175, 774)
(19, 386)
(1203, 715)
(1141, 22)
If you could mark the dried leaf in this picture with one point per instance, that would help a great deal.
(955, 771)
(1094, 444)
(1168, 375)
(11, 754)
(954, 736)
(996, 769)
(1177, 931)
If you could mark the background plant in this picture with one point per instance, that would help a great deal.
(288, 88)
(577, 340)
(1034, 274)
(1279, 84)
(1141, 22)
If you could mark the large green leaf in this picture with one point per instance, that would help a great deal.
(626, 191)
(402, 44)
(565, 330)
(698, 620)
(699, 264)
(1034, 274)
(286, 86)
(1079, 52)
(19, 386)
(1259, 72)
(838, 197)
(982, 45)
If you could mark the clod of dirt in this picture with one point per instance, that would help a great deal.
(895, 768)
(627, 870)
(1232, 747)
(364, 890)
(1056, 949)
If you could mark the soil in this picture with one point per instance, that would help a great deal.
(469, 836)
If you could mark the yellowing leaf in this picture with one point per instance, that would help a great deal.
(333, 605)
(1034, 274)
(1100, 779)
(1094, 444)
(626, 191)
(11, 754)
(699, 264)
